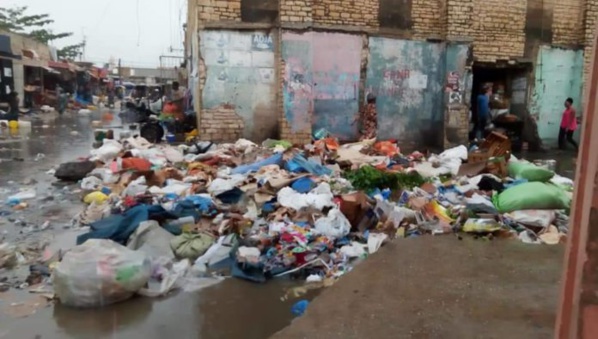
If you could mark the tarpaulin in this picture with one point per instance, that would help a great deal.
(300, 164)
(120, 227)
(276, 159)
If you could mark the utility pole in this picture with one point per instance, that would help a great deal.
(120, 74)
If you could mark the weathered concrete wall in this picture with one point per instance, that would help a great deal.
(407, 78)
(509, 30)
(321, 84)
(239, 68)
(457, 91)
(558, 75)
(298, 88)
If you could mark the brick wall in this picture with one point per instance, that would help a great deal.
(345, 12)
(220, 124)
(498, 29)
(591, 16)
(568, 23)
(459, 19)
(218, 10)
(296, 11)
(429, 18)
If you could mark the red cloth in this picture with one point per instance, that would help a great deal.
(137, 164)
(569, 120)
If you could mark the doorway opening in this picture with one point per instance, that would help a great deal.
(508, 101)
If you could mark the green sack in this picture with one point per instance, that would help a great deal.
(529, 171)
(531, 196)
(191, 246)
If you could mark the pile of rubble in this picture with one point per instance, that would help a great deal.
(163, 217)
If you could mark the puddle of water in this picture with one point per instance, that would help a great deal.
(231, 309)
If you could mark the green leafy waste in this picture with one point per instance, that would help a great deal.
(368, 178)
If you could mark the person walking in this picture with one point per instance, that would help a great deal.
(568, 126)
(483, 110)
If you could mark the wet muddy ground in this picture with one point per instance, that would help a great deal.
(238, 309)
(231, 309)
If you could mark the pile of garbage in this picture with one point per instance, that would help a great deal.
(163, 217)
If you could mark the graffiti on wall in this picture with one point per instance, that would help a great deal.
(322, 81)
(240, 73)
(407, 78)
(298, 89)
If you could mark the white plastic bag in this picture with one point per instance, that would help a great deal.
(335, 225)
(108, 151)
(375, 241)
(459, 152)
(100, 272)
(24, 195)
(355, 250)
(171, 279)
(152, 240)
(173, 155)
(136, 187)
(216, 253)
(91, 183)
(155, 156)
(106, 175)
(220, 185)
(537, 218)
(318, 198)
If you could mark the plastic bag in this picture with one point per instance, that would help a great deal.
(531, 196)
(74, 171)
(100, 272)
(151, 239)
(318, 198)
(529, 171)
(216, 253)
(108, 151)
(459, 152)
(171, 279)
(355, 250)
(91, 183)
(24, 195)
(375, 241)
(481, 226)
(95, 197)
(537, 218)
(335, 225)
(191, 246)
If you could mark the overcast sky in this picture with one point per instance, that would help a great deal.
(137, 31)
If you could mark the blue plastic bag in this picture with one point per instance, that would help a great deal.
(299, 308)
(300, 164)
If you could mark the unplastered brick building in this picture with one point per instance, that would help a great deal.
(286, 68)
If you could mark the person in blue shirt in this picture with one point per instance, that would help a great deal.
(483, 109)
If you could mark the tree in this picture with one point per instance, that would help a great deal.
(16, 20)
(70, 52)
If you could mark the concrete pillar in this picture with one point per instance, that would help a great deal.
(18, 73)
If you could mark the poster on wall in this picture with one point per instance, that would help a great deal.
(266, 75)
(8, 72)
(452, 82)
(261, 42)
(418, 81)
